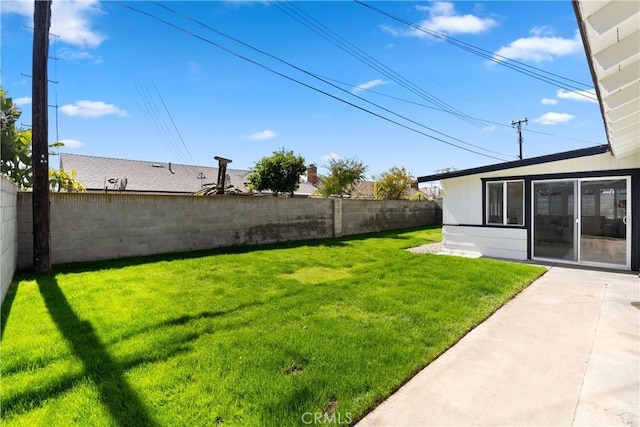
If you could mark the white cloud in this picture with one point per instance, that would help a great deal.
(582, 95)
(552, 118)
(542, 31)
(71, 20)
(72, 143)
(368, 85)
(265, 134)
(443, 18)
(19, 102)
(539, 48)
(548, 101)
(72, 55)
(332, 156)
(92, 109)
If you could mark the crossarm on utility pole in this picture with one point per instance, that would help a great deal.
(518, 124)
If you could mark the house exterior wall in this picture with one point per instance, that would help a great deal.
(9, 234)
(89, 227)
(463, 201)
(483, 241)
(463, 228)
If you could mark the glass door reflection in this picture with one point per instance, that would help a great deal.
(603, 221)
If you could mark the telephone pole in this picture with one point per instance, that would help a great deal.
(40, 135)
(518, 124)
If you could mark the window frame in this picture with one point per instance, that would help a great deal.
(505, 201)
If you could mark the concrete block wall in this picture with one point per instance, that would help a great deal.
(368, 216)
(8, 233)
(89, 227)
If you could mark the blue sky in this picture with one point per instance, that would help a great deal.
(133, 87)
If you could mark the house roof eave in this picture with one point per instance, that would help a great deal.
(583, 152)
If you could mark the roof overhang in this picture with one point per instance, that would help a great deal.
(565, 155)
(610, 31)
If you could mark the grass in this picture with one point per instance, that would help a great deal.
(253, 336)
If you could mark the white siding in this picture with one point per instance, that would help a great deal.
(462, 206)
(462, 202)
(463, 196)
(484, 241)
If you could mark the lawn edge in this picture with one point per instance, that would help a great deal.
(415, 372)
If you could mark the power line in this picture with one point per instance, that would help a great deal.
(314, 76)
(159, 122)
(339, 41)
(520, 67)
(152, 112)
(419, 104)
(172, 122)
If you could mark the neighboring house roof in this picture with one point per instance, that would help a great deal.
(143, 176)
(610, 32)
(98, 173)
(583, 152)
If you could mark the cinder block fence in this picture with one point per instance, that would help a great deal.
(89, 227)
(9, 234)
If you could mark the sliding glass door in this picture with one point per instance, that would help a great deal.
(554, 213)
(603, 221)
(582, 220)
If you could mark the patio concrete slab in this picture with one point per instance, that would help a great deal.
(566, 351)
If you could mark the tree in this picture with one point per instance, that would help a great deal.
(393, 184)
(16, 153)
(59, 180)
(419, 196)
(344, 175)
(15, 145)
(279, 173)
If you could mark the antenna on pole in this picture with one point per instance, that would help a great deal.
(518, 124)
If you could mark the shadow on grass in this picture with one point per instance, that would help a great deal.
(81, 267)
(6, 308)
(108, 375)
(117, 396)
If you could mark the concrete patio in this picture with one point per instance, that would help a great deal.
(566, 351)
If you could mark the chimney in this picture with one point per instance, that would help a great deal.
(170, 170)
(414, 184)
(312, 174)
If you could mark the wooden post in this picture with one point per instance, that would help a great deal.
(40, 136)
(222, 173)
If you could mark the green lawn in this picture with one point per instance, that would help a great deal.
(254, 336)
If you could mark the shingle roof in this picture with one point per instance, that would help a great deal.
(143, 176)
(95, 174)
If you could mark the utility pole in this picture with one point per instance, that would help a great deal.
(40, 136)
(518, 124)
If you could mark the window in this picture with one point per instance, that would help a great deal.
(505, 202)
